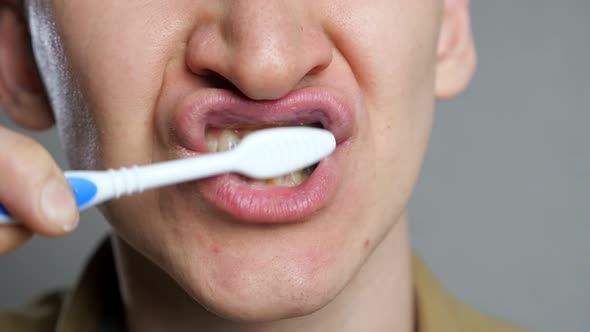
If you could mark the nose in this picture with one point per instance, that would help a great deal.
(263, 48)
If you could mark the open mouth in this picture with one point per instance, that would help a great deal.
(217, 120)
(226, 139)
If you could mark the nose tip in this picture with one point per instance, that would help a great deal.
(269, 72)
(264, 54)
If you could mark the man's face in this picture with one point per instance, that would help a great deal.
(136, 82)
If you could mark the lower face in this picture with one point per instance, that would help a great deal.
(124, 94)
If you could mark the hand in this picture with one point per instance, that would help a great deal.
(32, 187)
(34, 190)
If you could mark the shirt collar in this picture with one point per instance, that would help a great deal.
(95, 297)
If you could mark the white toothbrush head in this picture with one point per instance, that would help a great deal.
(279, 151)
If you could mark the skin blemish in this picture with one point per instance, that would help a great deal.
(366, 244)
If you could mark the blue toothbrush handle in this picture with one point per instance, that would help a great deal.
(84, 188)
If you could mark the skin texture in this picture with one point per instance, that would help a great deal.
(113, 81)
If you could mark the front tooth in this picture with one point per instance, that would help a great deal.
(227, 140)
(212, 142)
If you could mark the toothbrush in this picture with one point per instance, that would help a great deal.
(263, 154)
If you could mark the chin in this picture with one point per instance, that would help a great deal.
(266, 303)
(267, 276)
(256, 292)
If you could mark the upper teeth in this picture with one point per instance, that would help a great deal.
(221, 140)
(228, 140)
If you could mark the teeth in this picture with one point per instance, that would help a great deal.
(212, 142)
(290, 180)
(228, 139)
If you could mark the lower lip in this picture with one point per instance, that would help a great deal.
(250, 203)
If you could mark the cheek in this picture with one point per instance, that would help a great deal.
(390, 47)
(117, 60)
(74, 122)
(384, 40)
(395, 72)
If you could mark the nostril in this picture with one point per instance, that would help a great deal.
(216, 80)
(319, 68)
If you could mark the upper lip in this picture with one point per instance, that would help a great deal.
(227, 109)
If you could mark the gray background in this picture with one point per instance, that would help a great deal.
(501, 212)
